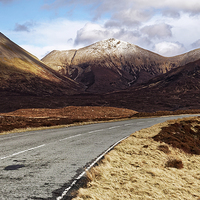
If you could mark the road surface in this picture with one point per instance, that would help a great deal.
(35, 164)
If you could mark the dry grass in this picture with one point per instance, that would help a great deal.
(138, 168)
(27, 119)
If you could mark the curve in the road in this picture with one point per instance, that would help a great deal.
(51, 158)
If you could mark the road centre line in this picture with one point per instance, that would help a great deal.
(14, 154)
(16, 136)
(70, 137)
(140, 122)
(114, 127)
(128, 124)
(97, 130)
(20, 152)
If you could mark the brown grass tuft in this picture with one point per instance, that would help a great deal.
(174, 163)
(164, 148)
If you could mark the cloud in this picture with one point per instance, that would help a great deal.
(169, 48)
(23, 27)
(58, 34)
(92, 32)
(153, 25)
(196, 44)
(129, 18)
(115, 6)
(159, 31)
(171, 13)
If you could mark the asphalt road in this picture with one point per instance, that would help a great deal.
(34, 164)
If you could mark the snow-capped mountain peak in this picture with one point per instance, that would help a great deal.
(113, 44)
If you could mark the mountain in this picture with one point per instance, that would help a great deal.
(179, 80)
(112, 65)
(104, 69)
(177, 89)
(21, 72)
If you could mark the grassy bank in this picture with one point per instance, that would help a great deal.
(142, 168)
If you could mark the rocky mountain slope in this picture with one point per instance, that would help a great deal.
(23, 73)
(177, 89)
(182, 79)
(112, 65)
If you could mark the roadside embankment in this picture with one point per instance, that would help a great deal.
(160, 162)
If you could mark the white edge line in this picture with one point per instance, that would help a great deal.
(88, 168)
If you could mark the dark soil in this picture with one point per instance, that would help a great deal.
(184, 135)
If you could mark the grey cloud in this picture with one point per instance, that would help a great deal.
(70, 40)
(99, 7)
(196, 44)
(157, 31)
(128, 18)
(112, 24)
(171, 13)
(125, 33)
(85, 37)
(23, 27)
(144, 42)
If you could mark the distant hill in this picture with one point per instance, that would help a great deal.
(21, 72)
(112, 65)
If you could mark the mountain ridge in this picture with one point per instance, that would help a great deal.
(116, 63)
(22, 72)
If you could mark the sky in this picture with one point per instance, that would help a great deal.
(167, 27)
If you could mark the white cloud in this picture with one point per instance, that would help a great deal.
(154, 25)
(92, 32)
(169, 48)
(39, 52)
(114, 6)
(131, 17)
(157, 31)
(46, 36)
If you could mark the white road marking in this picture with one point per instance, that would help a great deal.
(14, 154)
(140, 122)
(67, 138)
(24, 134)
(114, 127)
(128, 124)
(83, 173)
(96, 131)
(70, 137)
